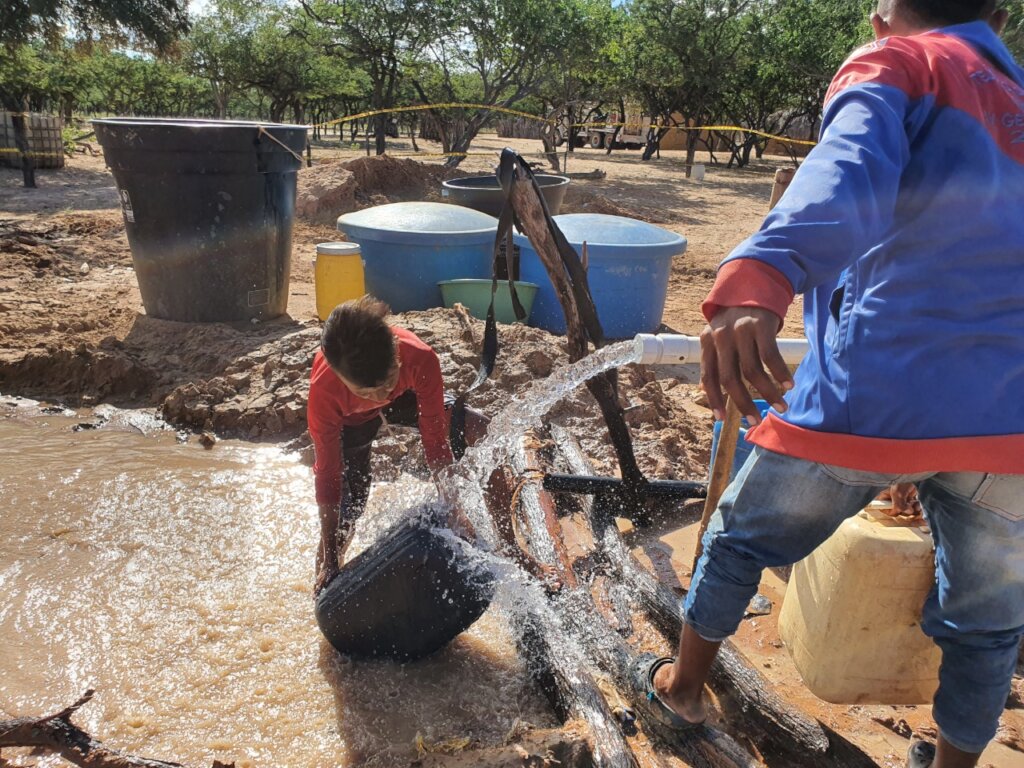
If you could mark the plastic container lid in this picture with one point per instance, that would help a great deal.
(419, 224)
(337, 249)
(615, 235)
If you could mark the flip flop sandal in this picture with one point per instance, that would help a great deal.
(644, 670)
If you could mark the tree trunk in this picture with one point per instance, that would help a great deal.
(380, 125)
(691, 150)
(28, 167)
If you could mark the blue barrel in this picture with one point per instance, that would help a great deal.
(629, 265)
(408, 248)
(743, 447)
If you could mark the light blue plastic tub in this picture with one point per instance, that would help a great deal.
(629, 265)
(408, 248)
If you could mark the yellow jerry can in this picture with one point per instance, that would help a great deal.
(851, 618)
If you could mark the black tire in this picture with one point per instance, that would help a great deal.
(597, 140)
(559, 139)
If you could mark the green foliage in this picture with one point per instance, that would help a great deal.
(1014, 32)
(763, 64)
(159, 22)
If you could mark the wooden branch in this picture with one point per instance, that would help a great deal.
(56, 733)
(603, 387)
(722, 469)
(775, 726)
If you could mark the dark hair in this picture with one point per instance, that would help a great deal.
(946, 12)
(357, 342)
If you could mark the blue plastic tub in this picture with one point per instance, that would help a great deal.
(629, 265)
(743, 448)
(408, 248)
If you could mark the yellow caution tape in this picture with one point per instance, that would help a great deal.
(427, 107)
(518, 113)
(658, 126)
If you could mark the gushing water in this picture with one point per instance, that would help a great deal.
(465, 483)
(519, 594)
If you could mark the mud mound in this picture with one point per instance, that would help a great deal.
(326, 191)
(584, 201)
(398, 179)
(670, 440)
(261, 393)
(60, 245)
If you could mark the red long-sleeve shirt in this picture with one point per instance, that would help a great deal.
(332, 406)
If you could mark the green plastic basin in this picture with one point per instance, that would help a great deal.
(475, 295)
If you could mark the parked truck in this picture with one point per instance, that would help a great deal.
(601, 132)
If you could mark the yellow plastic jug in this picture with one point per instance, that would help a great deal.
(338, 275)
(852, 612)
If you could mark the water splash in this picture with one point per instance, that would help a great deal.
(465, 481)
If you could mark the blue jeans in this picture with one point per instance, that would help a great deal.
(779, 509)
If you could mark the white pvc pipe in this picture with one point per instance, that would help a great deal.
(676, 349)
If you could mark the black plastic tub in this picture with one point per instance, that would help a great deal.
(208, 206)
(405, 597)
(483, 193)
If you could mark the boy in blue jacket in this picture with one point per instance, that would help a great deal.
(904, 231)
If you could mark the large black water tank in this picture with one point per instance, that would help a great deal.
(208, 206)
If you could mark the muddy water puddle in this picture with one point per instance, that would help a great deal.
(176, 581)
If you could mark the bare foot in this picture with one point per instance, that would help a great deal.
(690, 709)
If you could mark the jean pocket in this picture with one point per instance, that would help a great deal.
(858, 478)
(1002, 494)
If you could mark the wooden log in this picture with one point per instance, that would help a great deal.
(530, 216)
(571, 689)
(702, 747)
(567, 684)
(777, 728)
(56, 733)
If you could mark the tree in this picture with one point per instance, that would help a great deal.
(383, 35)
(791, 49)
(496, 53)
(159, 22)
(681, 52)
(583, 75)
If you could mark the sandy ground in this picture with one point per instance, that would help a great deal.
(72, 328)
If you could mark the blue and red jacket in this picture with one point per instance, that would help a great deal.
(904, 230)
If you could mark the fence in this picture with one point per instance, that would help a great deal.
(44, 141)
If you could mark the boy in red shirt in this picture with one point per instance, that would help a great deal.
(364, 370)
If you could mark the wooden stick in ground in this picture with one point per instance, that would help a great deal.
(731, 426)
(724, 456)
(782, 178)
(56, 733)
